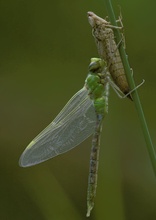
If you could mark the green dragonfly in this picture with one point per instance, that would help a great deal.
(81, 117)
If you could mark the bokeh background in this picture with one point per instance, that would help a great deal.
(45, 49)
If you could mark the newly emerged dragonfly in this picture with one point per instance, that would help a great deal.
(81, 117)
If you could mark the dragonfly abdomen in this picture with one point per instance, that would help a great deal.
(94, 161)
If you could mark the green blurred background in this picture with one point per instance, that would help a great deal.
(45, 49)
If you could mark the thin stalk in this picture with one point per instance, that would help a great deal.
(132, 85)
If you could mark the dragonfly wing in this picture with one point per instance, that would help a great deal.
(72, 126)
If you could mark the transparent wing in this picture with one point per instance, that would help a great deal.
(72, 126)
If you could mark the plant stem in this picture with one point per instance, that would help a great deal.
(131, 82)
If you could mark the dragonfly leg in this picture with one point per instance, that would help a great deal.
(116, 88)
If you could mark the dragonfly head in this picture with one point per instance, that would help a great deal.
(96, 65)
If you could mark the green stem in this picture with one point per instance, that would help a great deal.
(131, 82)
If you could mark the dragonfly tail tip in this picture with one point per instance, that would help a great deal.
(89, 211)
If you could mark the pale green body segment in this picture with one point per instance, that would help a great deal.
(96, 93)
(96, 83)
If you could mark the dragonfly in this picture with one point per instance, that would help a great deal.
(81, 117)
